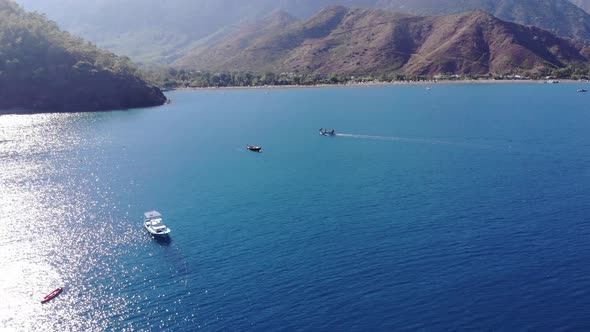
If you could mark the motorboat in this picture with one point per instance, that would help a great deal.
(154, 225)
(326, 132)
(52, 295)
(582, 90)
(254, 148)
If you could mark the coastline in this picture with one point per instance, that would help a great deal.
(374, 84)
(26, 111)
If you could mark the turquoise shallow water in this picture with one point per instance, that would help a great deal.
(463, 207)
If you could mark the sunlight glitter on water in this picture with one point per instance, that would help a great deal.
(44, 209)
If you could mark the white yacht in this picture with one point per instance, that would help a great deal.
(153, 223)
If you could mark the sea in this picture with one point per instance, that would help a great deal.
(464, 207)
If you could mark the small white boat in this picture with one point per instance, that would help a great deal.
(154, 225)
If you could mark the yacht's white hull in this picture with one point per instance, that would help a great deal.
(154, 232)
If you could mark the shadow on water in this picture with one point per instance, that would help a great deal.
(174, 256)
(164, 241)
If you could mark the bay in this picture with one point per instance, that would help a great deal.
(460, 208)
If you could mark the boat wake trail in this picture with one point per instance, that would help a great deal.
(411, 140)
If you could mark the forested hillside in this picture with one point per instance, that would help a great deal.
(45, 69)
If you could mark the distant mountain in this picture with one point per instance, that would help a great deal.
(584, 4)
(149, 30)
(45, 69)
(368, 41)
(557, 16)
(232, 49)
(163, 30)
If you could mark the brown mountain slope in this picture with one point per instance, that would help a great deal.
(362, 41)
(480, 43)
(241, 46)
(163, 30)
(559, 17)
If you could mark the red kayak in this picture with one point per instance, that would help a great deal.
(52, 295)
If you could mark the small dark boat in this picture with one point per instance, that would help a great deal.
(51, 295)
(254, 148)
(326, 132)
(582, 90)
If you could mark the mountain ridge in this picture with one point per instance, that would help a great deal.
(340, 40)
(157, 31)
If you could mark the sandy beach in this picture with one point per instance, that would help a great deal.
(375, 84)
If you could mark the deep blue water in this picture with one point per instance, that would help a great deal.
(461, 208)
